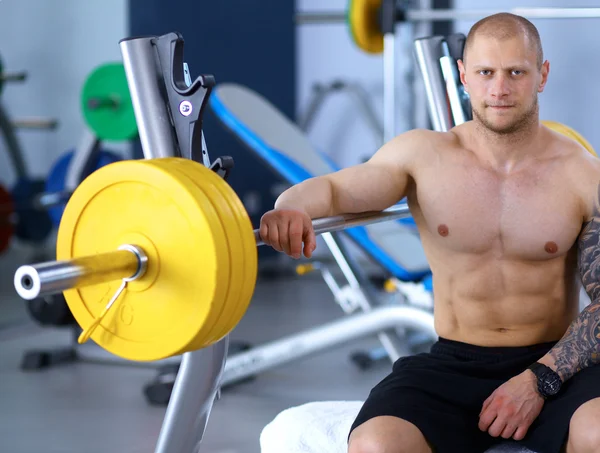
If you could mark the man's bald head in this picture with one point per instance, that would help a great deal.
(503, 26)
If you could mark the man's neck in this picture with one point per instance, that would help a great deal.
(507, 152)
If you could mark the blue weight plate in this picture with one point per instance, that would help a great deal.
(56, 178)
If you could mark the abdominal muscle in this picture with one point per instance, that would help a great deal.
(487, 301)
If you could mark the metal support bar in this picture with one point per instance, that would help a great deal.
(321, 92)
(35, 123)
(429, 15)
(389, 87)
(81, 163)
(361, 286)
(321, 338)
(13, 76)
(13, 146)
(452, 79)
(146, 86)
(195, 390)
(428, 52)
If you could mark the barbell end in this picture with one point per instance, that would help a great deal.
(27, 282)
(128, 263)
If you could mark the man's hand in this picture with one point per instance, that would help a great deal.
(286, 230)
(512, 408)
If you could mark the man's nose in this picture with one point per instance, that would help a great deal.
(500, 86)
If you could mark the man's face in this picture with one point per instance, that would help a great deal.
(503, 82)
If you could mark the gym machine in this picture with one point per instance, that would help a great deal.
(322, 92)
(168, 110)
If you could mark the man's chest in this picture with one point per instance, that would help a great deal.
(529, 215)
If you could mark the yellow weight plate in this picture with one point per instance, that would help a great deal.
(206, 338)
(165, 311)
(363, 22)
(246, 253)
(233, 241)
(571, 133)
(203, 180)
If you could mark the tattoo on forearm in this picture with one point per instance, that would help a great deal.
(579, 348)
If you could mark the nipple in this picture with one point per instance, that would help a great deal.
(551, 247)
(443, 230)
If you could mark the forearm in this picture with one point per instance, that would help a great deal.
(314, 196)
(579, 348)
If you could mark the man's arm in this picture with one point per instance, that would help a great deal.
(372, 186)
(579, 348)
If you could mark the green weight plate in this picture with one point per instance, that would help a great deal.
(106, 103)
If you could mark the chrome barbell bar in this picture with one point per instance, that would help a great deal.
(52, 277)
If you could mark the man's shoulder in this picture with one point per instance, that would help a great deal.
(424, 141)
(580, 158)
(582, 168)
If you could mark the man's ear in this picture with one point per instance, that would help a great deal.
(461, 70)
(545, 71)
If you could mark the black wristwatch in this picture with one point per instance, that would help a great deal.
(548, 381)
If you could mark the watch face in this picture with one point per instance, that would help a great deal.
(551, 384)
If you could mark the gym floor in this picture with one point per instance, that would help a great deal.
(100, 408)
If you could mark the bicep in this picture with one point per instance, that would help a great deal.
(366, 187)
(378, 183)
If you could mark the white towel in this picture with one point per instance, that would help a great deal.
(319, 427)
(323, 427)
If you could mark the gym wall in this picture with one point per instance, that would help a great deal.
(58, 42)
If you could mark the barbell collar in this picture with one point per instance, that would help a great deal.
(129, 262)
(432, 15)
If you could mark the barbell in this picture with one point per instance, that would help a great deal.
(365, 18)
(157, 257)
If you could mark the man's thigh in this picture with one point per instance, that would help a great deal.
(441, 404)
(584, 428)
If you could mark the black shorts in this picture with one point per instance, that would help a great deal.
(442, 393)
